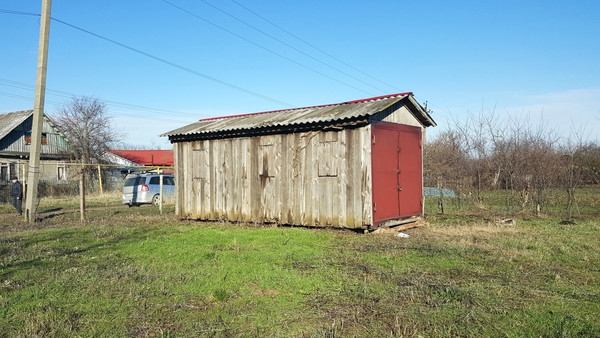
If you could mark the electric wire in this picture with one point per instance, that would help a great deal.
(113, 113)
(288, 45)
(264, 48)
(156, 58)
(8, 11)
(313, 46)
(172, 64)
(59, 93)
(189, 70)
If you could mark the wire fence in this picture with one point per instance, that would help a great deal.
(441, 194)
(554, 201)
(98, 178)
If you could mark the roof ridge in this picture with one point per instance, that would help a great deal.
(316, 106)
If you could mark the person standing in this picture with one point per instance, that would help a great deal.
(16, 193)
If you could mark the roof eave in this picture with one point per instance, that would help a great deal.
(423, 115)
(270, 130)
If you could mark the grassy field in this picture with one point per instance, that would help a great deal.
(131, 272)
(505, 202)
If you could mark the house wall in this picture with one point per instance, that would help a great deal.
(53, 144)
(50, 171)
(313, 178)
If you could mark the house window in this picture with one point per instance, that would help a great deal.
(4, 172)
(44, 138)
(61, 172)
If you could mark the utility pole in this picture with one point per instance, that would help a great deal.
(38, 114)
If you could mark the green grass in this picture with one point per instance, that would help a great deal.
(131, 272)
(508, 203)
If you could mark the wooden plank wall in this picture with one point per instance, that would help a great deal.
(312, 178)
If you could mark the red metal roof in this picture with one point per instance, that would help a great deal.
(147, 157)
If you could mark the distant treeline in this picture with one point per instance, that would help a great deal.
(524, 160)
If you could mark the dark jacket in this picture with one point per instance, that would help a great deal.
(17, 190)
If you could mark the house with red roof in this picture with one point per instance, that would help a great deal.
(141, 158)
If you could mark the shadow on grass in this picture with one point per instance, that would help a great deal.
(50, 210)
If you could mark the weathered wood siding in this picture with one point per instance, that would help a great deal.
(54, 144)
(313, 178)
(403, 116)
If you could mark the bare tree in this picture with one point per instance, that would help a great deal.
(444, 164)
(88, 127)
(523, 158)
(475, 130)
(526, 160)
(573, 174)
(85, 122)
(590, 162)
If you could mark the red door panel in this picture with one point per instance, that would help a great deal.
(411, 173)
(386, 203)
(397, 172)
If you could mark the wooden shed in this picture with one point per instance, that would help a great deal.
(354, 164)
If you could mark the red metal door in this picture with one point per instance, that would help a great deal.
(385, 160)
(397, 172)
(411, 172)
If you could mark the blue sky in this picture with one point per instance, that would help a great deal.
(159, 65)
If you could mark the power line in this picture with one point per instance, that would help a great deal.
(16, 96)
(172, 64)
(156, 58)
(189, 70)
(112, 112)
(311, 45)
(59, 93)
(262, 47)
(288, 45)
(8, 11)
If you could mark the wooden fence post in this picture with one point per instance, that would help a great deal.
(100, 180)
(82, 194)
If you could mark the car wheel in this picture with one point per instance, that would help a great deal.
(156, 199)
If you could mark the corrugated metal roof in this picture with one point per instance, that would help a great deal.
(323, 114)
(10, 121)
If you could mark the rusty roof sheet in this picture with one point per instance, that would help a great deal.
(10, 121)
(322, 114)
